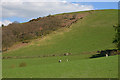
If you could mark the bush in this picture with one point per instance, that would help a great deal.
(12, 66)
(26, 41)
(23, 64)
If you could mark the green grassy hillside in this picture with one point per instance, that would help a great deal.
(93, 32)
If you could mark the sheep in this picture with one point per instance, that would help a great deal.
(106, 55)
(67, 60)
(60, 61)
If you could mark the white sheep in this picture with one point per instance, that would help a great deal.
(67, 60)
(106, 55)
(60, 61)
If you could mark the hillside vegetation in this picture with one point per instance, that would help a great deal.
(83, 38)
(24, 32)
(94, 32)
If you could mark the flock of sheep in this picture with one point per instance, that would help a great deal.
(61, 60)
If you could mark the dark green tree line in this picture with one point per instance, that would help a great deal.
(117, 36)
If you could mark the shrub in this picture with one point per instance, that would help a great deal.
(23, 64)
(12, 66)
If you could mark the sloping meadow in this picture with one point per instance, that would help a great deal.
(82, 39)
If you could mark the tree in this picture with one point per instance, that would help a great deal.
(117, 36)
(49, 15)
(2, 25)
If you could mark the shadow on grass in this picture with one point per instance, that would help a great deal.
(108, 52)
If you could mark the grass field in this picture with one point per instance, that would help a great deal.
(74, 68)
(94, 32)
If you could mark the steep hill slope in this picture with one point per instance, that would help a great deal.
(92, 33)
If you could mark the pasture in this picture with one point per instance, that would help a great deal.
(94, 32)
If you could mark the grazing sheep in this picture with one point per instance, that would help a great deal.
(106, 55)
(66, 54)
(67, 60)
(60, 61)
